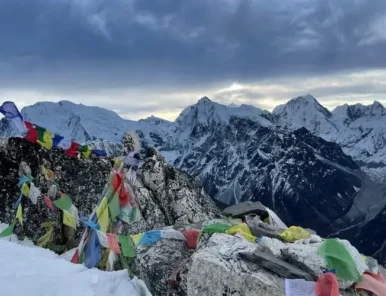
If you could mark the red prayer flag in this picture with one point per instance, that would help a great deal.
(112, 242)
(48, 202)
(117, 182)
(72, 151)
(75, 258)
(32, 134)
(123, 196)
(191, 238)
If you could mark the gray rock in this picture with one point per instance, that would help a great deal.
(276, 265)
(245, 208)
(217, 270)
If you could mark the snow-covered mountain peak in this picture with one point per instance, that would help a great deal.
(156, 120)
(206, 112)
(304, 104)
(305, 111)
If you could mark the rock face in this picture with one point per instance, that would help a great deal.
(165, 195)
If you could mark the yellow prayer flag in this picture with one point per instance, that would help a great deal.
(47, 140)
(244, 230)
(103, 215)
(25, 190)
(69, 219)
(19, 214)
(136, 238)
(87, 153)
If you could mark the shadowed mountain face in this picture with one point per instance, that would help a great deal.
(244, 153)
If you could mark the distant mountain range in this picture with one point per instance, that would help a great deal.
(313, 167)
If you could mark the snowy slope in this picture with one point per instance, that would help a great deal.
(360, 130)
(34, 271)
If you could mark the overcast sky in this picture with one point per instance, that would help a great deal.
(143, 57)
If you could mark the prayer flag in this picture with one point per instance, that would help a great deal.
(25, 189)
(34, 193)
(92, 250)
(87, 153)
(65, 143)
(112, 242)
(11, 112)
(102, 238)
(117, 182)
(69, 219)
(22, 180)
(56, 140)
(103, 215)
(127, 246)
(136, 237)
(8, 231)
(48, 202)
(19, 214)
(114, 206)
(64, 202)
(150, 237)
(46, 140)
(72, 151)
(32, 133)
(123, 196)
(75, 258)
(90, 223)
(99, 153)
(18, 200)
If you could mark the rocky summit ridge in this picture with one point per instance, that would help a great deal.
(313, 167)
(223, 262)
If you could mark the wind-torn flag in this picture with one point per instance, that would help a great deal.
(11, 112)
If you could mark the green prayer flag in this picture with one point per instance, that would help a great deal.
(127, 246)
(130, 215)
(216, 228)
(339, 258)
(8, 231)
(41, 131)
(64, 202)
(82, 148)
(110, 193)
(114, 206)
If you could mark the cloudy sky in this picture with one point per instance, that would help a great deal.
(143, 57)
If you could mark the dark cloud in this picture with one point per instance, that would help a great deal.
(73, 45)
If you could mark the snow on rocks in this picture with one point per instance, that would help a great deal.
(35, 271)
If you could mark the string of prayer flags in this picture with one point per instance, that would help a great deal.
(69, 219)
(48, 202)
(64, 202)
(34, 193)
(19, 214)
(112, 242)
(7, 231)
(127, 246)
(10, 111)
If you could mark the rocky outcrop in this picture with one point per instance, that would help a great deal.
(165, 195)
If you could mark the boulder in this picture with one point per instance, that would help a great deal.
(245, 208)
